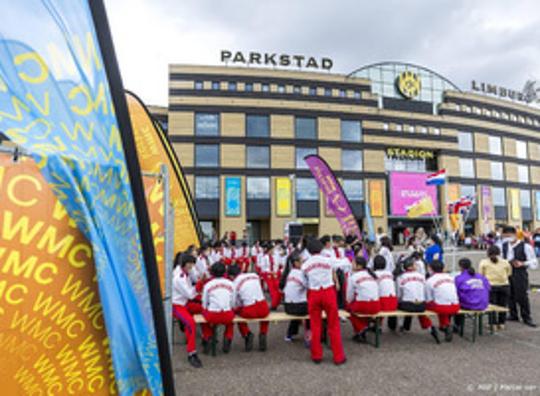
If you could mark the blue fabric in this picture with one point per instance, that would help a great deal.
(473, 291)
(432, 252)
(55, 102)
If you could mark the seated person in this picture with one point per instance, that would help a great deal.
(411, 296)
(250, 304)
(362, 297)
(218, 302)
(441, 297)
(295, 296)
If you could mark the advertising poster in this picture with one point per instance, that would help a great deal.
(515, 204)
(376, 197)
(406, 189)
(537, 195)
(283, 197)
(233, 197)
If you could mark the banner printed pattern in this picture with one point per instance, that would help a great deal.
(55, 103)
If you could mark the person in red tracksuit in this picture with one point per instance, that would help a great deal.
(218, 303)
(183, 307)
(321, 280)
(362, 297)
(250, 304)
(441, 297)
(243, 257)
(268, 270)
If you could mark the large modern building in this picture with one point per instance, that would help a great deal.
(242, 133)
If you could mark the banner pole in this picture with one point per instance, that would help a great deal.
(112, 70)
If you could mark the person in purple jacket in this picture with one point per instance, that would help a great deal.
(472, 288)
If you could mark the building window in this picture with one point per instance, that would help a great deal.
(354, 189)
(466, 167)
(258, 157)
(357, 95)
(281, 88)
(215, 85)
(301, 152)
(328, 92)
(249, 87)
(351, 160)
(497, 170)
(207, 124)
(297, 89)
(307, 189)
(523, 174)
(465, 142)
(499, 197)
(198, 85)
(257, 125)
(400, 165)
(342, 93)
(232, 86)
(385, 126)
(312, 91)
(265, 87)
(525, 198)
(258, 188)
(207, 155)
(351, 131)
(422, 129)
(495, 145)
(521, 149)
(399, 127)
(206, 187)
(411, 128)
(305, 128)
(436, 131)
(467, 189)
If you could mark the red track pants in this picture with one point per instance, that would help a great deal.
(255, 311)
(272, 282)
(443, 312)
(217, 318)
(319, 301)
(389, 303)
(182, 313)
(362, 307)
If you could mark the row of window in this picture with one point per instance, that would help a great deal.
(467, 169)
(411, 128)
(258, 125)
(496, 114)
(258, 157)
(310, 90)
(466, 143)
(207, 187)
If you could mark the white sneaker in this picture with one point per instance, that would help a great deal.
(288, 339)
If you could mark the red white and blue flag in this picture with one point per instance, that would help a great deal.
(462, 205)
(436, 179)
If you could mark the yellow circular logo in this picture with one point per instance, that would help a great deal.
(408, 84)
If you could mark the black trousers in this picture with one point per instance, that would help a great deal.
(498, 295)
(297, 309)
(408, 306)
(519, 294)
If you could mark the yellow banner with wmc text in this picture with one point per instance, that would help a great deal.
(283, 196)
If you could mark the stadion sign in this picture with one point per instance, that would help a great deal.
(273, 59)
(529, 94)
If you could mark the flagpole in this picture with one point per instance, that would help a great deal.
(103, 34)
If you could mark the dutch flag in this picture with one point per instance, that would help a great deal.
(436, 179)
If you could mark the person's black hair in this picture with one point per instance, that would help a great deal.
(314, 246)
(218, 269)
(294, 256)
(408, 264)
(325, 239)
(508, 230)
(493, 253)
(360, 261)
(437, 266)
(178, 259)
(337, 238)
(349, 239)
(233, 271)
(466, 264)
(244, 244)
(379, 262)
(435, 238)
(386, 242)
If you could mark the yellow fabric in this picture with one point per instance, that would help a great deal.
(496, 273)
(422, 207)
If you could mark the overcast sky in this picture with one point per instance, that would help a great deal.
(492, 41)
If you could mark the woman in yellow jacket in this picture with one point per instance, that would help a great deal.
(497, 270)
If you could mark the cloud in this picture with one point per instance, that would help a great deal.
(493, 41)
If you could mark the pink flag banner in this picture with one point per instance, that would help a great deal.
(333, 192)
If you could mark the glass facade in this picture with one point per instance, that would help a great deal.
(407, 165)
(467, 189)
(521, 149)
(258, 188)
(465, 141)
(497, 170)
(466, 167)
(495, 146)
(307, 189)
(354, 189)
(351, 131)
(207, 155)
(206, 124)
(525, 198)
(351, 160)
(257, 125)
(301, 152)
(305, 128)
(207, 187)
(499, 196)
(258, 157)
(523, 173)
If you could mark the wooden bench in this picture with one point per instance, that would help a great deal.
(476, 316)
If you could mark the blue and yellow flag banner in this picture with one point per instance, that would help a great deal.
(55, 102)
